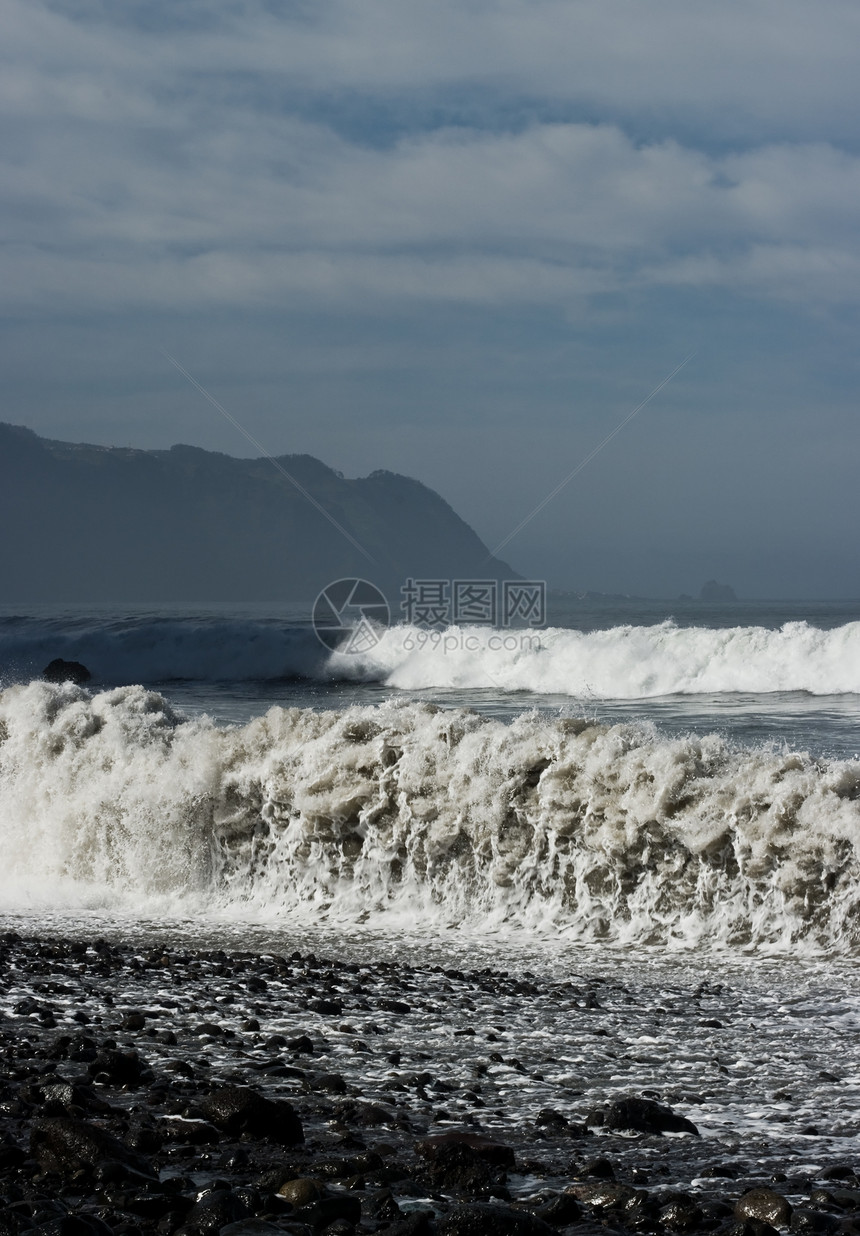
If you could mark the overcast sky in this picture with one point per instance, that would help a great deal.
(461, 240)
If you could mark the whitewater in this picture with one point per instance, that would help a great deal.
(625, 661)
(410, 812)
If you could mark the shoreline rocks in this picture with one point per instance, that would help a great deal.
(189, 1092)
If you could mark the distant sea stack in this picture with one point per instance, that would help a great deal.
(712, 591)
(111, 524)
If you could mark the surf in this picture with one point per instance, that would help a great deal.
(406, 812)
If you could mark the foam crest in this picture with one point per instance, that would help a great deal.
(406, 812)
(625, 662)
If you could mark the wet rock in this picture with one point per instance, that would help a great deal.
(366, 1115)
(548, 1117)
(215, 1209)
(240, 1110)
(300, 1044)
(605, 1195)
(750, 1227)
(118, 1068)
(484, 1219)
(332, 1083)
(348, 1166)
(560, 1211)
(66, 1146)
(301, 1192)
(328, 1008)
(640, 1116)
(60, 1097)
(496, 1153)
(331, 1209)
(383, 1208)
(813, 1221)
(601, 1169)
(679, 1212)
(836, 1199)
(764, 1204)
(417, 1223)
(59, 670)
(393, 1006)
(838, 1171)
(465, 1164)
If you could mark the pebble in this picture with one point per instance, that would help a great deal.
(174, 1105)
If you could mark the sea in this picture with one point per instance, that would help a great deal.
(664, 794)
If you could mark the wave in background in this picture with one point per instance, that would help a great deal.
(408, 813)
(157, 649)
(622, 662)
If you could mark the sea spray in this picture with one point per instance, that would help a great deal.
(408, 811)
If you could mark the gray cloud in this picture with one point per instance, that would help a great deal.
(448, 189)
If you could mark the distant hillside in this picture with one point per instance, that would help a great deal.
(93, 523)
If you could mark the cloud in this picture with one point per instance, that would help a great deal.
(777, 66)
(258, 211)
(152, 161)
(450, 216)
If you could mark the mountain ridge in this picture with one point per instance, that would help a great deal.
(84, 522)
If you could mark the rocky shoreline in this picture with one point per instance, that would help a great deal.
(163, 1089)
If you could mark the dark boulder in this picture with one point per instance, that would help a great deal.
(60, 1098)
(607, 1195)
(215, 1209)
(496, 1153)
(560, 1211)
(302, 1191)
(465, 1164)
(118, 1068)
(764, 1204)
(415, 1224)
(65, 1146)
(238, 1109)
(640, 1116)
(680, 1213)
(66, 671)
(331, 1209)
(329, 1008)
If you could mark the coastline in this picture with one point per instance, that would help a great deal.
(428, 1099)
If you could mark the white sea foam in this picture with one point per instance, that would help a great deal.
(410, 813)
(624, 662)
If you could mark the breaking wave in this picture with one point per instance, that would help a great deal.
(155, 649)
(623, 662)
(408, 812)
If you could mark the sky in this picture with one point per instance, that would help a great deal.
(464, 241)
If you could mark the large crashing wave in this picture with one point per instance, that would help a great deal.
(625, 662)
(413, 813)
